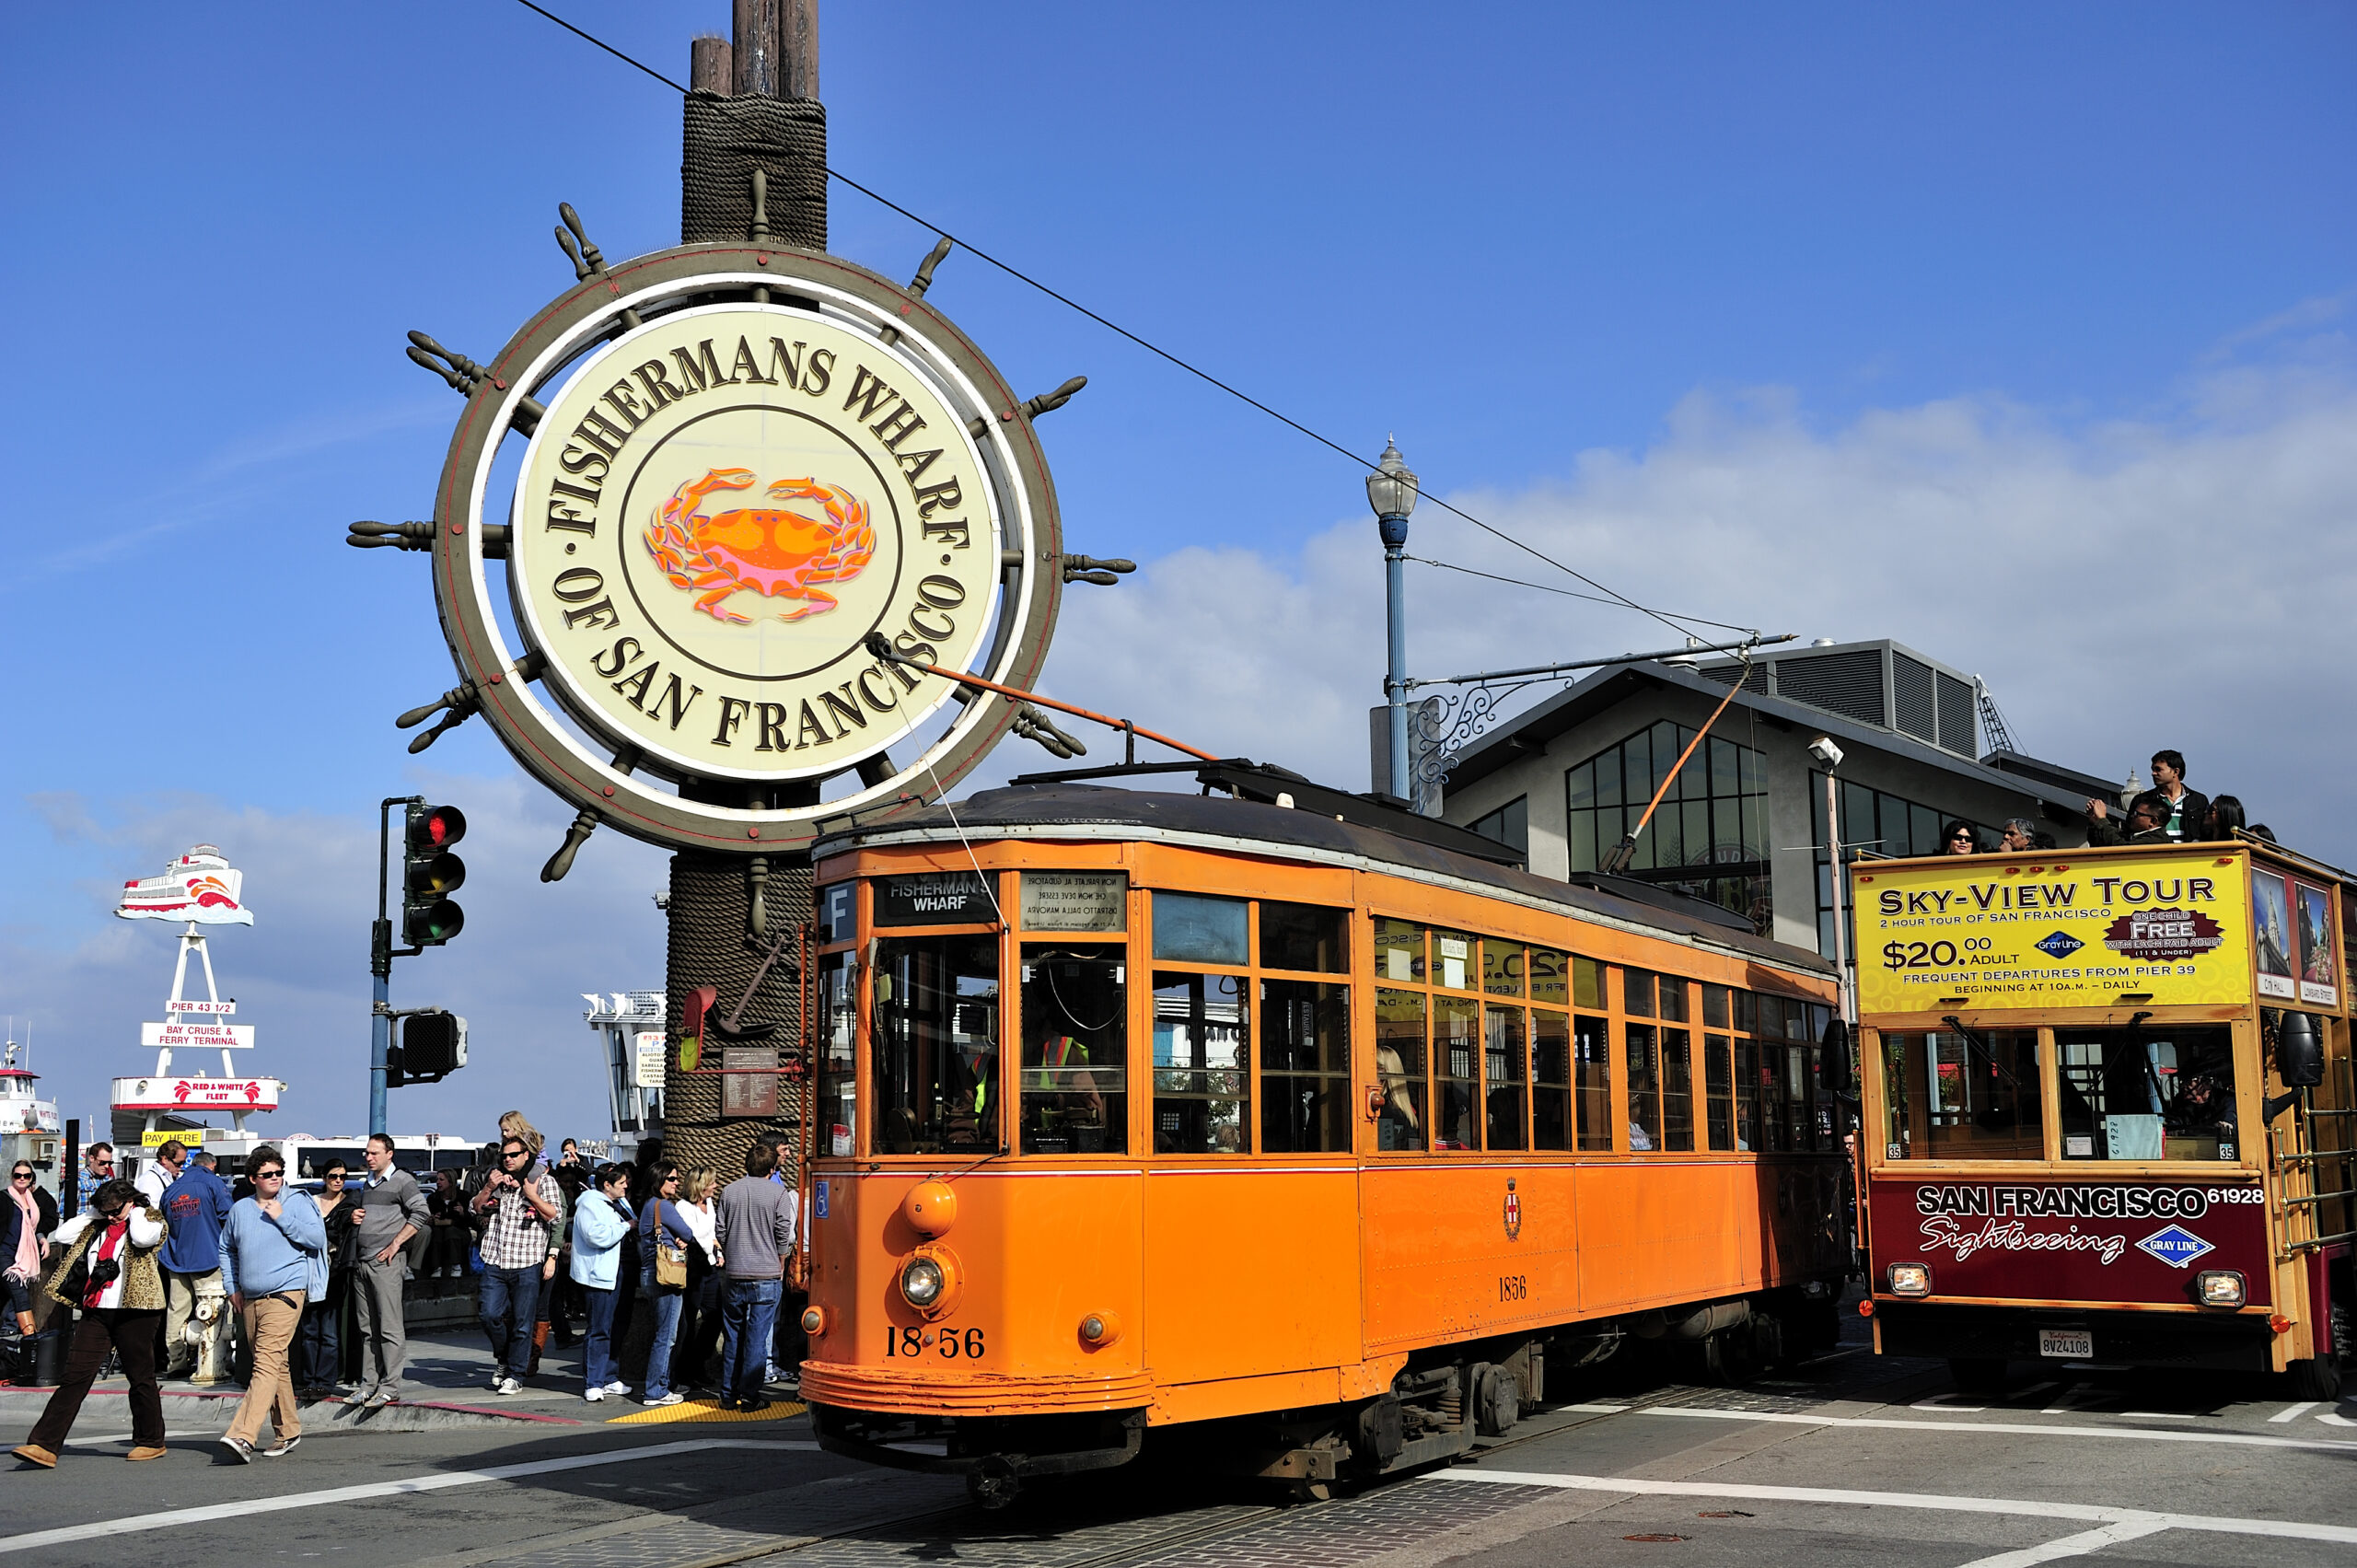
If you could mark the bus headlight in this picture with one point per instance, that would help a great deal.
(2219, 1287)
(1910, 1278)
(921, 1282)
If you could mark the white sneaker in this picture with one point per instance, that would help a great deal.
(508, 1385)
(594, 1395)
(617, 1386)
(240, 1448)
(670, 1398)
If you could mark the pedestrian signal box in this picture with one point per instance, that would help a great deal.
(430, 874)
(432, 1045)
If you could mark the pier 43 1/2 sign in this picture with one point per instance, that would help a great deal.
(739, 463)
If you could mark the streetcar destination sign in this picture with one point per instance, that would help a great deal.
(2047, 933)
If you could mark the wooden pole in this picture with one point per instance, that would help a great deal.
(754, 56)
(708, 65)
(797, 48)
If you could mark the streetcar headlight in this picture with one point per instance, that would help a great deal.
(1910, 1278)
(921, 1282)
(2219, 1287)
(814, 1321)
(1099, 1330)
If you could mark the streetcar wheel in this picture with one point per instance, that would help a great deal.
(1977, 1374)
(2318, 1379)
(1735, 1356)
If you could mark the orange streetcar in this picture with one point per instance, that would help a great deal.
(1146, 1111)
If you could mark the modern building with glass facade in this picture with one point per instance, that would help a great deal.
(1744, 824)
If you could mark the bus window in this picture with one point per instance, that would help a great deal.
(936, 1046)
(2147, 1094)
(1550, 978)
(1963, 1096)
(1075, 1051)
(1193, 929)
(1400, 951)
(1504, 964)
(1637, 992)
(1303, 936)
(1746, 1092)
(1676, 1089)
(1592, 1062)
(1202, 1057)
(1399, 1070)
(1453, 960)
(1457, 1027)
(1504, 1074)
(1645, 1088)
(838, 1069)
(1551, 1078)
(1718, 1084)
(1305, 1067)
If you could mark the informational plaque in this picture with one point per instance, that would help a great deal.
(934, 897)
(1076, 900)
(748, 1080)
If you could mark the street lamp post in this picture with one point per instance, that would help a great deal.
(1391, 491)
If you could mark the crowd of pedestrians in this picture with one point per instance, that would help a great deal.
(179, 1274)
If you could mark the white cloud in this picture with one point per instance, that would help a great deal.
(2124, 586)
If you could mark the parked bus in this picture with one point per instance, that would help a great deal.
(2107, 1109)
(1330, 1137)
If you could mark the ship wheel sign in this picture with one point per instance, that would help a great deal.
(680, 501)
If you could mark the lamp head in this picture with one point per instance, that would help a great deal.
(1391, 489)
(1825, 751)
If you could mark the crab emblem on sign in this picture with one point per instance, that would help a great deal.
(774, 551)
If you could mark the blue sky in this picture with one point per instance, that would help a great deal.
(1807, 316)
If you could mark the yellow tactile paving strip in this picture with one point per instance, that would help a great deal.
(707, 1409)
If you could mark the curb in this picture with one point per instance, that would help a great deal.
(182, 1408)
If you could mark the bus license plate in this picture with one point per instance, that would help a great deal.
(2066, 1344)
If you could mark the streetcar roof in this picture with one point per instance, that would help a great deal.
(1079, 811)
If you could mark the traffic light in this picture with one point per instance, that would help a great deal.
(430, 874)
(433, 1045)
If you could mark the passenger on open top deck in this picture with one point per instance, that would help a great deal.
(2147, 824)
(1958, 838)
(2226, 819)
(2019, 834)
(2184, 814)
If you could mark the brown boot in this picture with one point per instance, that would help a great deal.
(147, 1451)
(34, 1454)
(540, 1343)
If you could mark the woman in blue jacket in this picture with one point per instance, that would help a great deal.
(600, 1220)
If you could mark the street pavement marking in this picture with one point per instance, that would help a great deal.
(2294, 1412)
(2245, 1439)
(2072, 1546)
(2287, 1530)
(2159, 1415)
(137, 1524)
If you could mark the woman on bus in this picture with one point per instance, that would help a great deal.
(1958, 838)
(2225, 817)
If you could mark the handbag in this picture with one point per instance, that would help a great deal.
(671, 1257)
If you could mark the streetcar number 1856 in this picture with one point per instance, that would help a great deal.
(948, 1344)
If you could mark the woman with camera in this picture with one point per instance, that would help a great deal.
(109, 1273)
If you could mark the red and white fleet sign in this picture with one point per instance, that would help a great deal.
(197, 1094)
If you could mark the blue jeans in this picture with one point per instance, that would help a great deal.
(748, 1314)
(598, 1355)
(664, 1305)
(510, 1304)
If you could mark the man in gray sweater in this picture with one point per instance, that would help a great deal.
(755, 1222)
(392, 1209)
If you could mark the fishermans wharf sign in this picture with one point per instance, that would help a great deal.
(739, 463)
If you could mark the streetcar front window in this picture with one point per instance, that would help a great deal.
(1955, 1095)
(838, 1067)
(1305, 1067)
(1075, 1050)
(1203, 1059)
(935, 1031)
(2147, 1094)
(1303, 936)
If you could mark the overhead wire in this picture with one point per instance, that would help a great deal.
(1567, 592)
(1611, 595)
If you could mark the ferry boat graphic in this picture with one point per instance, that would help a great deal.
(200, 886)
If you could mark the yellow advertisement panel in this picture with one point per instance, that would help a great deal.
(2074, 933)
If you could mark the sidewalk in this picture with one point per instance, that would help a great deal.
(447, 1385)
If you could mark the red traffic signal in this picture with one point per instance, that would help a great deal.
(435, 828)
(430, 872)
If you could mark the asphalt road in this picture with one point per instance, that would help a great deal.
(1850, 1458)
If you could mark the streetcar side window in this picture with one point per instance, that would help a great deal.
(934, 1047)
(1399, 952)
(1963, 1096)
(1746, 1095)
(838, 1067)
(2147, 1094)
(1303, 936)
(1714, 1006)
(1637, 992)
(1075, 1051)
(1550, 978)
(1587, 984)
(1672, 1006)
(1718, 1087)
(1592, 1050)
(1453, 960)
(1677, 1090)
(1190, 928)
(1457, 1055)
(1505, 1074)
(1645, 1088)
(1400, 1067)
(1504, 965)
(1306, 1067)
(1203, 1059)
(1551, 1078)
